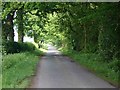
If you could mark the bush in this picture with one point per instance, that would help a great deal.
(27, 47)
(15, 47)
(11, 47)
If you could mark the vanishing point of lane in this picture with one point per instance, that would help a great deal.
(57, 71)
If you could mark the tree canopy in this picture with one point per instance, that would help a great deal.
(87, 27)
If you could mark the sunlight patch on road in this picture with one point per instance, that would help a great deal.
(41, 49)
(44, 50)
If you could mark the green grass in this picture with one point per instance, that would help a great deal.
(94, 63)
(0, 81)
(0, 70)
(17, 69)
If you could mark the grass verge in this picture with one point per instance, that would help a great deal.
(0, 70)
(17, 69)
(94, 63)
(0, 81)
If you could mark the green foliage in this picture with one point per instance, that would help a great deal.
(91, 28)
(18, 68)
(11, 47)
(27, 47)
(15, 47)
(115, 65)
(80, 27)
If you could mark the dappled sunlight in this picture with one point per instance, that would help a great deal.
(41, 49)
(52, 50)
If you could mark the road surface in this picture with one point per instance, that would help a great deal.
(57, 71)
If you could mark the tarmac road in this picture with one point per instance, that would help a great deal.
(57, 71)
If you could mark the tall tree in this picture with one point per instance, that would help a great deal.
(20, 24)
(10, 26)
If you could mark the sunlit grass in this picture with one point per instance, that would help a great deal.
(43, 49)
(18, 69)
(36, 45)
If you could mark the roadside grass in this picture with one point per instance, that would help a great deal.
(0, 81)
(18, 68)
(94, 63)
(0, 70)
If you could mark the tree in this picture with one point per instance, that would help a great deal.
(20, 24)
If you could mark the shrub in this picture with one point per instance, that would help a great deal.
(11, 47)
(15, 47)
(27, 47)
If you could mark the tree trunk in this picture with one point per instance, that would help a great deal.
(10, 26)
(20, 25)
(4, 31)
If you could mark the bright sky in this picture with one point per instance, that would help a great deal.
(26, 39)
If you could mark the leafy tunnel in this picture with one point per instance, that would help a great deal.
(85, 27)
